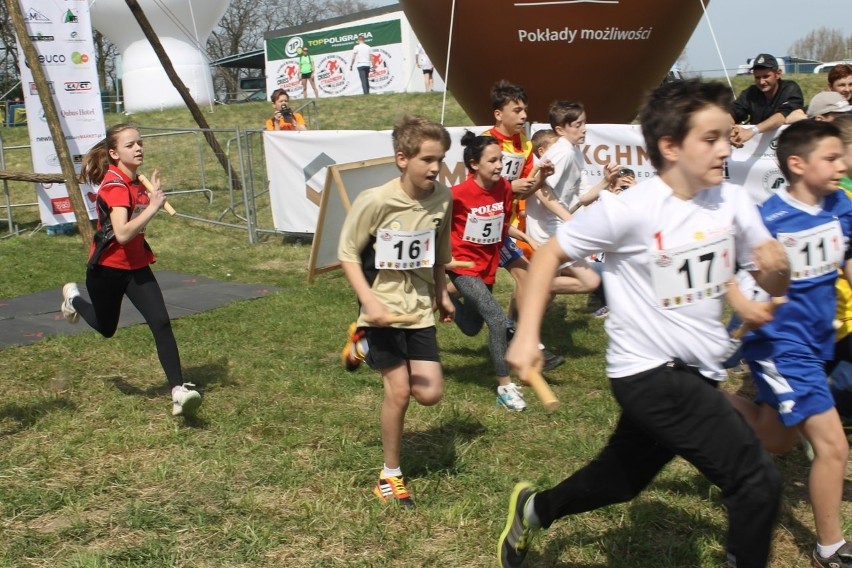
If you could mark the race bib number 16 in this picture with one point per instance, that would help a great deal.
(405, 250)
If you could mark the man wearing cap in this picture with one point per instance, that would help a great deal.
(766, 104)
(828, 105)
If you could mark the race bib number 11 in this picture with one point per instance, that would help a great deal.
(405, 250)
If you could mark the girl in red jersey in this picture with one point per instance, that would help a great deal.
(120, 258)
(482, 206)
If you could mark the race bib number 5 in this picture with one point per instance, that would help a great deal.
(697, 271)
(405, 250)
(815, 251)
(483, 230)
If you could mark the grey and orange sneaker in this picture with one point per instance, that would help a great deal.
(393, 489)
(355, 349)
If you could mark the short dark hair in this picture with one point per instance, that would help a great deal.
(474, 146)
(800, 139)
(277, 93)
(561, 113)
(668, 111)
(839, 72)
(503, 92)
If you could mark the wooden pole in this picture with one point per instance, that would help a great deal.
(181, 88)
(52, 117)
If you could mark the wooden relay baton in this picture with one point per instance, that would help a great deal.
(542, 390)
(150, 188)
(403, 318)
(744, 328)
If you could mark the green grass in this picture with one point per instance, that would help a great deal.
(277, 471)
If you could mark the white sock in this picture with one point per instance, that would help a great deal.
(529, 513)
(828, 549)
(391, 471)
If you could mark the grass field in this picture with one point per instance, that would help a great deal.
(278, 468)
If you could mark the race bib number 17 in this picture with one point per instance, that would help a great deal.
(692, 272)
(405, 250)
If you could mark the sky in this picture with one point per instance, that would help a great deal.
(745, 28)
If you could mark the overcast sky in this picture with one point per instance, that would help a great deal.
(745, 28)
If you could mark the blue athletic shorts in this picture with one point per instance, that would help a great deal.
(795, 385)
(509, 252)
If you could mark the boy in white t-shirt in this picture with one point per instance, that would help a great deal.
(671, 244)
(561, 191)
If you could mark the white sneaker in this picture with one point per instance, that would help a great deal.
(185, 401)
(69, 292)
(510, 397)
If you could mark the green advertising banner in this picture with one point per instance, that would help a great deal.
(331, 60)
(332, 41)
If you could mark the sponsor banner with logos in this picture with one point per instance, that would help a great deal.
(61, 33)
(332, 54)
(297, 164)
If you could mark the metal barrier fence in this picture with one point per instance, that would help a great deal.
(188, 169)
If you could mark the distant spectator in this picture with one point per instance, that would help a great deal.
(306, 70)
(284, 118)
(766, 104)
(361, 58)
(840, 80)
(828, 105)
(424, 63)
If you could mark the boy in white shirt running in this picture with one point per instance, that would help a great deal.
(671, 245)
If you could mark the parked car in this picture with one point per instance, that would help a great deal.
(828, 66)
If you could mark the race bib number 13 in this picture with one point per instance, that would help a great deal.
(405, 250)
(693, 272)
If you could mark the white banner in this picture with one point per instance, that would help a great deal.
(296, 164)
(61, 32)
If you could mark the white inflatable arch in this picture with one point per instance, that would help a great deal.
(183, 27)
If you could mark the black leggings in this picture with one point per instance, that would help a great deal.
(108, 286)
(480, 307)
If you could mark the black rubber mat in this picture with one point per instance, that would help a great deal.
(31, 318)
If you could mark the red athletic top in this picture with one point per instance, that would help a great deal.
(117, 190)
(470, 196)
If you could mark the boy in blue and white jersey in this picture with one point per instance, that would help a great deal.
(787, 355)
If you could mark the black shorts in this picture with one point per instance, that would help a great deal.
(390, 346)
(428, 72)
(307, 75)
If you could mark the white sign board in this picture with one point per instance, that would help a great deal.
(61, 32)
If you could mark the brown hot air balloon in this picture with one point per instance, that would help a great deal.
(604, 53)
